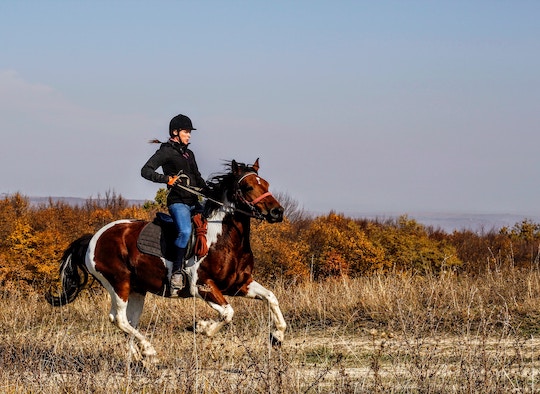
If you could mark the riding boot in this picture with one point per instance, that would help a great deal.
(177, 276)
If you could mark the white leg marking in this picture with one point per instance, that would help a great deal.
(210, 327)
(123, 324)
(256, 290)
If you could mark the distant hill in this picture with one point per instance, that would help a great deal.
(450, 222)
(73, 201)
(474, 222)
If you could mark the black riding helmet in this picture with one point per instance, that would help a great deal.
(180, 122)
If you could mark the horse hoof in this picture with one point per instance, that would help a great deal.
(274, 341)
(204, 327)
(150, 362)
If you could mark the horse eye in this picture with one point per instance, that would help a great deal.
(246, 189)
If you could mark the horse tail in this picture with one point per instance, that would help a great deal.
(72, 283)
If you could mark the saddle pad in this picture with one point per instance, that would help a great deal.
(150, 240)
(157, 237)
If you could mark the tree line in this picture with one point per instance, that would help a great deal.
(303, 247)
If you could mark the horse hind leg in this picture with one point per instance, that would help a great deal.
(120, 318)
(257, 291)
(134, 308)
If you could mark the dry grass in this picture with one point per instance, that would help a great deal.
(387, 334)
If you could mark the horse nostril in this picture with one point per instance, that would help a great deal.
(277, 213)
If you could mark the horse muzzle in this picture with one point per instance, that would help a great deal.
(275, 215)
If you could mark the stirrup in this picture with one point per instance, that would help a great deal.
(177, 282)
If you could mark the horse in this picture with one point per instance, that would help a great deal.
(111, 256)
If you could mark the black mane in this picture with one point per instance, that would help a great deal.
(224, 184)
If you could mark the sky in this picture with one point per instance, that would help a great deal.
(350, 106)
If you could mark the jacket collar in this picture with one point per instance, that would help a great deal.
(179, 146)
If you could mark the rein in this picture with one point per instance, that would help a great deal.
(254, 213)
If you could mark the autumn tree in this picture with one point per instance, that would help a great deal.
(525, 236)
(292, 209)
(159, 203)
(33, 238)
(338, 246)
(12, 208)
(279, 255)
(408, 246)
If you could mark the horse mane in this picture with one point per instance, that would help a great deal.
(220, 184)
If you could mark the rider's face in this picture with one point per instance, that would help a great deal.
(184, 136)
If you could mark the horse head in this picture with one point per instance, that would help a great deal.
(252, 191)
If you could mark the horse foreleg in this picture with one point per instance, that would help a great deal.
(121, 308)
(257, 291)
(210, 327)
(213, 297)
(134, 308)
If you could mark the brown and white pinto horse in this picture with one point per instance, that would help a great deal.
(111, 255)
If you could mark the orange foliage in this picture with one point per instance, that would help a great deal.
(278, 255)
(336, 240)
(335, 265)
(32, 240)
(518, 246)
(409, 247)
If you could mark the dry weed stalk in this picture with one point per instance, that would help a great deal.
(397, 333)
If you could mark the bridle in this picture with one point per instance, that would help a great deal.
(254, 212)
(251, 204)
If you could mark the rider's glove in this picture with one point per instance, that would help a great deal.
(172, 180)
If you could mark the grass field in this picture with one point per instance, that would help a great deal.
(386, 334)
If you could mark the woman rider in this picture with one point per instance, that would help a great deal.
(179, 168)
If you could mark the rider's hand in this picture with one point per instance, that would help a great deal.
(172, 180)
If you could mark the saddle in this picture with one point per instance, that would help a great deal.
(157, 237)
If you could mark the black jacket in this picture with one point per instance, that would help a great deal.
(173, 157)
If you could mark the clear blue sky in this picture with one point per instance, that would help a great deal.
(352, 106)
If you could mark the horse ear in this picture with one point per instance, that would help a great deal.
(256, 165)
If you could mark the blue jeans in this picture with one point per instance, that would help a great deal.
(181, 214)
